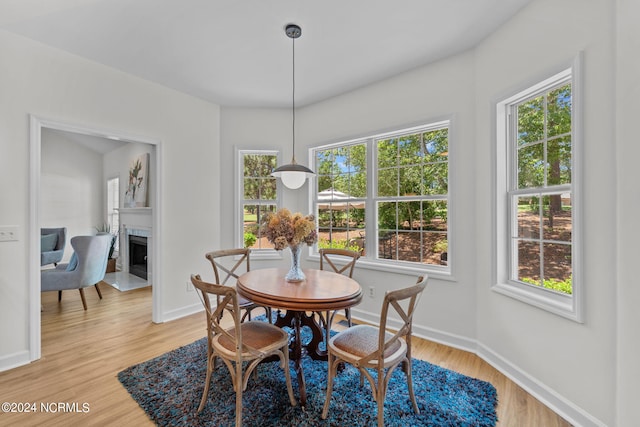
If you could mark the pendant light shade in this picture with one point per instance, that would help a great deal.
(293, 175)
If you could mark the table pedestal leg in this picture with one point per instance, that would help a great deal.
(297, 357)
(296, 320)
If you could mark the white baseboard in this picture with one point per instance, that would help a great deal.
(14, 360)
(556, 402)
(445, 338)
(181, 312)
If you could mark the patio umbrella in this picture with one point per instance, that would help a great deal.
(337, 200)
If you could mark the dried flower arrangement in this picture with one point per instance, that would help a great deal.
(283, 229)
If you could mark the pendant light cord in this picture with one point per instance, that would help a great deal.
(293, 101)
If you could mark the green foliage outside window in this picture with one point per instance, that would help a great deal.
(259, 194)
(543, 149)
(564, 286)
(338, 244)
(410, 193)
(249, 240)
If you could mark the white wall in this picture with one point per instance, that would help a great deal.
(627, 111)
(71, 187)
(443, 90)
(248, 129)
(36, 79)
(568, 365)
(117, 164)
(553, 355)
(402, 101)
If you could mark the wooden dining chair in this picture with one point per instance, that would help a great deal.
(231, 263)
(245, 343)
(328, 258)
(369, 347)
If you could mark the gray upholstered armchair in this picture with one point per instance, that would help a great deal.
(52, 241)
(87, 269)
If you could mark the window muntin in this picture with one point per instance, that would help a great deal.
(538, 213)
(412, 195)
(541, 192)
(341, 196)
(407, 219)
(259, 195)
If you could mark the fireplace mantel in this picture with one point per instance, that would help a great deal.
(134, 210)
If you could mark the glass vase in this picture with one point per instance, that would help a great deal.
(295, 274)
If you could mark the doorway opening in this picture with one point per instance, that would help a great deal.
(100, 138)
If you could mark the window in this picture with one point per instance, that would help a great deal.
(387, 196)
(113, 203)
(537, 247)
(259, 195)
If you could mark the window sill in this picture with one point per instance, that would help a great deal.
(266, 254)
(553, 302)
(434, 272)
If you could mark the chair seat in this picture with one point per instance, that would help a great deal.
(243, 302)
(366, 347)
(242, 347)
(258, 335)
(361, 340)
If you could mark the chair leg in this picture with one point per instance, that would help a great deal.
(98, 290)
(59, 296)
(287, 374)
(347, 313)
(239, 386)
(380, 395)
(207, 382)
(84, 302)
(332, 361)
(412, 396)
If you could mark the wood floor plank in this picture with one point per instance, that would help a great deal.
(83, 351)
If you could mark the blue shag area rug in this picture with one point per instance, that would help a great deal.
(170, 386)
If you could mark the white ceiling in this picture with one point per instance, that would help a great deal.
(98, 144)
(235, 53)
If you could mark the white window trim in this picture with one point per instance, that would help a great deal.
(116, 212)
(238, 186)
(435, 271)
(568, 306)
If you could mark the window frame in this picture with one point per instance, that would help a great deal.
(505, 218)
(266, 253)
(371, 199)
(115, 212)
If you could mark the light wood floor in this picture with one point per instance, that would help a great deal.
(83, 351)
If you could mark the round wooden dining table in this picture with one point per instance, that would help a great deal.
(322, 291)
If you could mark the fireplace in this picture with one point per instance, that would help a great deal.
(138, 256)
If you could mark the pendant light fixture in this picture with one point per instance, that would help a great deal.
(293, 175)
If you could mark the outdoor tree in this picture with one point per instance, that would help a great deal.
(544, 143)
(412, 165)
(544, 150)
(259, 185)
(409, 167)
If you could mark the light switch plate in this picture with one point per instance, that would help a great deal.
(9, 233)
